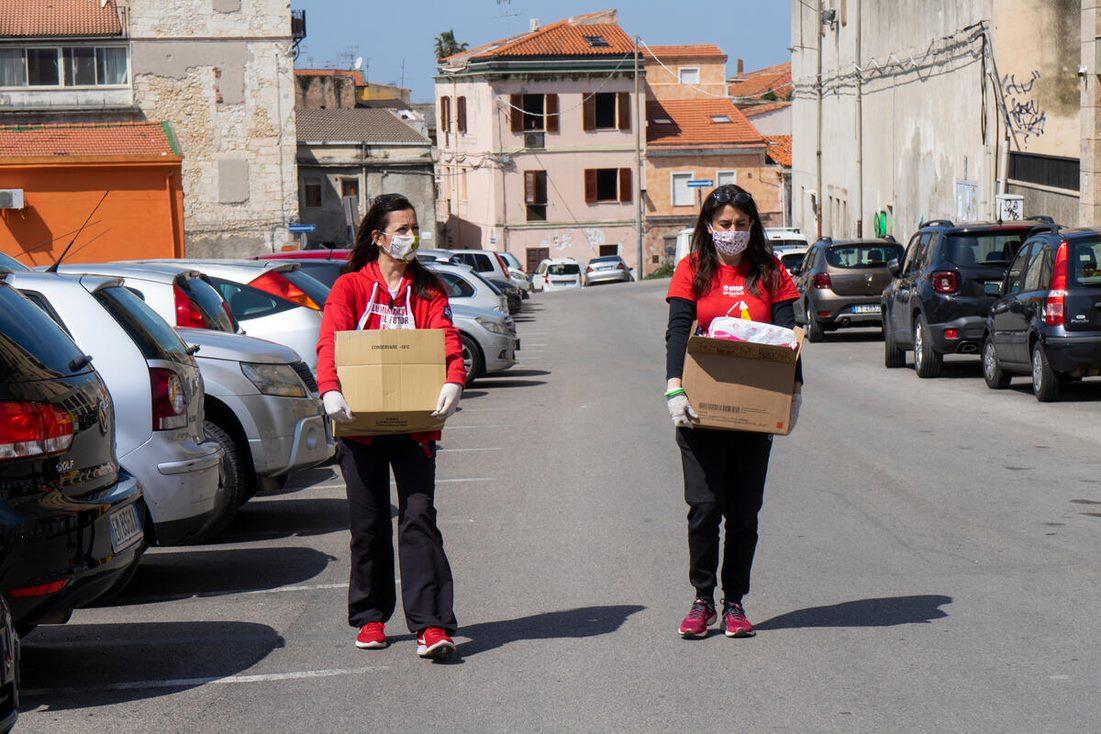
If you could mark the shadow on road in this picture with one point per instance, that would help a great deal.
(498, 383)
(282, 518)
(885, 612)
(76, 666)
(521, 373)
(848, 337)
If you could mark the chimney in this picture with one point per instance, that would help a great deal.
(533, 25)
(741, 66)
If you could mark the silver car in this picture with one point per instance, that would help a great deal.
(467, 288)
(157, 390)
(489, 340)
(607, 269)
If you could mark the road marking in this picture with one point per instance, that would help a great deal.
(194, 682)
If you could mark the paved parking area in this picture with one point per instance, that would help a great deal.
(928, 562)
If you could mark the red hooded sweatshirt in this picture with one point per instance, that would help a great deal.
(346, 310)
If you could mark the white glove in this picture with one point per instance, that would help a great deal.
(448, 402)
(681, 411)
(336, 407)
(796, 403)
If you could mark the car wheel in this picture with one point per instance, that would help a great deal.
(1045, 381)
(235, 484)
(893, 355)
(996, 378)
(472, 359)
(815, 331)
(928, 362)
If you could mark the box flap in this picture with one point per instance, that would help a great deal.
(747, 350)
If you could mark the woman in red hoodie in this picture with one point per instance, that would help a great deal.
(384, 287)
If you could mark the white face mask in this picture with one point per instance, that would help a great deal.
(402, 246)
(731, 242)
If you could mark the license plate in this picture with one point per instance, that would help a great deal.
(866, 308)
(125, 528)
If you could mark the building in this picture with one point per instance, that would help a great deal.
(770, 118)
(690, 71)
(373, 91)
(348, 157)
(771, 84)
(326, 89)
(538, 141)
(219, 71)
(692, 139)
(971, 103)
(124, 179)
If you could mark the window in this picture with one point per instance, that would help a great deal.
(722, 178)
(689, 74)
(311, 193)
(209, 302)
(607, 185)
(533, 113)
(13, 68)
(462, 184)
(720, 119)
(682, 195)
(32, 345)
(862, 255)
(70, 66)
(111, 66)
(534, 108)
(152, 335)
(79, 67)
(456, 286)
(349, 187)
(915, 253)
(966, 249)
(460, 112)
(597, 42)
(1084, 258)
(1039, 270)
(42, 67)
(606, 251)
(606, 111)
(246, 302)
(1014, 277)
(535, 195)
(445, 114)
(477, 260)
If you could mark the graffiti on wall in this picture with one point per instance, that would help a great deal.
(595, 238)
(1025, 115)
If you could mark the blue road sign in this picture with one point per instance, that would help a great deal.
(700, 183)
(301, 228)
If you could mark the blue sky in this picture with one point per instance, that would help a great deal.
(384, 32)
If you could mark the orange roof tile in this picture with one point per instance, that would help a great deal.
(756, 110)
(779, 149)
(688, 123)
(563, 38)
(755, 84)
(54, 18)
(150, 140)
(353, 73)
(692, 50)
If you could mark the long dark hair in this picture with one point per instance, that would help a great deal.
(762, 265)
(425, 282)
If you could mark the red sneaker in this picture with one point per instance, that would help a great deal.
(735, 622)
(372, 636)
(699, 619)
(434, 643)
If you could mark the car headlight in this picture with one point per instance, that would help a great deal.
(493, 325)
(275, 379)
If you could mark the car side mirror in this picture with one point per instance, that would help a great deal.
(893, 267)
(993, 289)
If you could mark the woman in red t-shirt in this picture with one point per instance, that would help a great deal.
(730, 272)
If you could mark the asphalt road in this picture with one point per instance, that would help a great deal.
(928, 562)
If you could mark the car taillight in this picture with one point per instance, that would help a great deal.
(40, 590)
(502, 263)
(169, 401)
(589, 269)
(822, 280)
(277, 284)
(622, 266)
(188, 313)
(34, 429)
(946, 282)
(1055, 305)
(951, 333)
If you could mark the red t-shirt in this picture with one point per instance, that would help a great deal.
(730, 294)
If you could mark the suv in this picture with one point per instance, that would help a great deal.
(1046, 320)
(938, 302)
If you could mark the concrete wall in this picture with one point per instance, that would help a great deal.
(324, 92)
(665, 84)
(777, 122)
(222, 74)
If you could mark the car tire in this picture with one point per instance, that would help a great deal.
(928, 362)
(472, 359)
(1045, 380)
(233, 476)
(996, 378)
(815, 331)
(893, 355)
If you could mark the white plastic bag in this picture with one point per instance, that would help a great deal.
(742, 330)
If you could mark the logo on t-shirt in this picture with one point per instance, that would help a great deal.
(733, 291)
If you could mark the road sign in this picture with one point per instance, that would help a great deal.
(303, 228)
(700, 183)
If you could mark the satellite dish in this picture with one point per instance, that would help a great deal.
(359, 63)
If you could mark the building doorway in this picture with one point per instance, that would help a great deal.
(536, 255)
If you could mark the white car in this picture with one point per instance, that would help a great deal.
(556, 274)
(792, 258)
(490, 264)
(786, 239)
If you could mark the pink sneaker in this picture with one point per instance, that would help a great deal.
(735, 622)
(699, 619)
(372, 636)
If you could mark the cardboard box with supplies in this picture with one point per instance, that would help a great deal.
(391, 380)
(741, 386)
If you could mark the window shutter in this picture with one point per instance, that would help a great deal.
(590, 185)
(530, 183)
(624, 105)
(626, 192)
(516, 117)
(550, 109)
(461, 111)
(589, 116)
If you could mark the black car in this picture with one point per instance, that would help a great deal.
(1046, 320)
(511, 292)
(70, 519)
(938, 302)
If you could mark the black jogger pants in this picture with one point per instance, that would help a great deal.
(427, 589)
(724, 478)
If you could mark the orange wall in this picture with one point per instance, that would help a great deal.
(141, 217)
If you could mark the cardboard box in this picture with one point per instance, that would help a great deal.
(391, 379)
(739, 386)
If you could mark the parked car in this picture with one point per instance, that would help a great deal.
(466, 288)
(10, 263)
(514, 298)
(440, 256)
(785, 239)
(516, 272)
(937, 303)
(273, 300)
(840, 284)
(1046, 320)
(792, 259)
(488, 264)
(607, 269)
(489, 340)
(557, 274)
(71, 521)
(158, 395)
(9, 669)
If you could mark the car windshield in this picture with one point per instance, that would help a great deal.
(990, 248)
(324, 272)
(792, 260)
(1085, 259)
(10, 263)
(153, 336)
(246, 302)
(203, 295)
(863, 255)
(32, 345)
(563, 269)
(610, 259)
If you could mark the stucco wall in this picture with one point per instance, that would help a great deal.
(752, 175)
(773, 123)
(665, 84)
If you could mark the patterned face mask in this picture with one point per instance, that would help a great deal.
(402, 246)
(730, 243)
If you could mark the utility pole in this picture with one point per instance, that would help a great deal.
(638, 165)
(818, 152)
(859, 130)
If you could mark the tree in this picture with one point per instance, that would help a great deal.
(446, 45)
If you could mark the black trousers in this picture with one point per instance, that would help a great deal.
(724, 478)
(427, 589)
